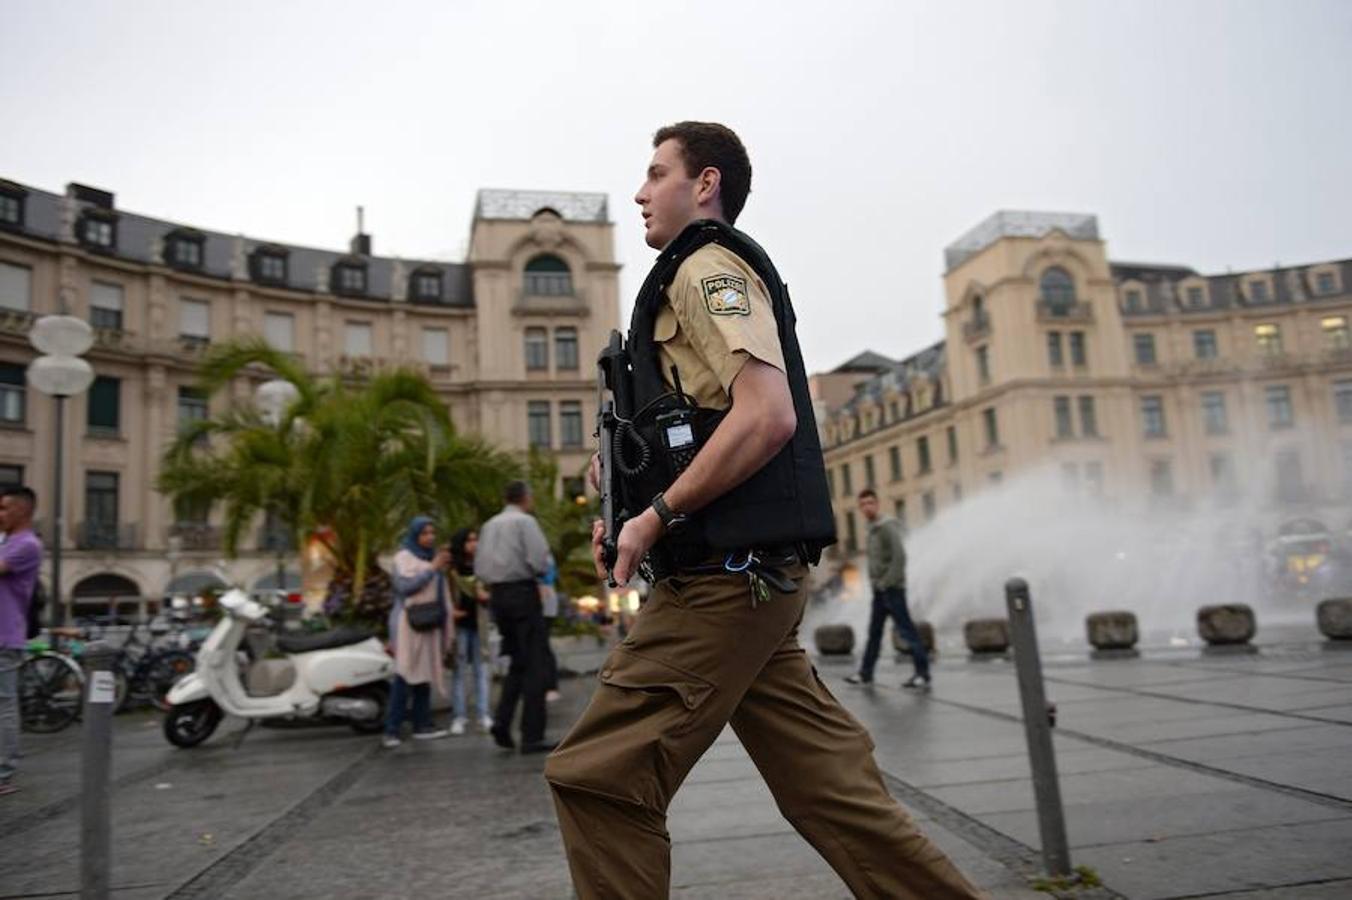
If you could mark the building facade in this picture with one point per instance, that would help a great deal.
(1144, 385)
(508, 338)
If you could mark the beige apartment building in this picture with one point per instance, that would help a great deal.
(1144, 385)
(508, 338)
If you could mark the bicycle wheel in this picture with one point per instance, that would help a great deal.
(164, 672)
(51, 688)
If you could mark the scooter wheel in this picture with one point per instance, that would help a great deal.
(380, 693)
(192, 723)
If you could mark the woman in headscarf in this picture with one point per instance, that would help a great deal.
(471, 633)
(419, 578)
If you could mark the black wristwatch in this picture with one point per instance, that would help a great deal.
(672, 521)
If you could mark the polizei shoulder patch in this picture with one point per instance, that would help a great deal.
(725, 295)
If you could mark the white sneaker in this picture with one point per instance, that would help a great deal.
(458, 726)
(432, 735)
(486, 723)
(551, 696)
(390, 741)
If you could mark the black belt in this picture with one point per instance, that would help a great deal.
(499, 585)
(766, 562)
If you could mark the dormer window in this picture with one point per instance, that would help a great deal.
(269, 266)
(1134, 303)
(427, 286)
(184, 250)
(11, 206)
(349, 278)
(97, 231)
(1258, 292)
(1325, 283)
(1194, 297)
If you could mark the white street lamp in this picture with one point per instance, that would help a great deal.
(273, 398)
(60, 373)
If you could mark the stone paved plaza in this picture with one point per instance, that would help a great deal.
(1183, 774)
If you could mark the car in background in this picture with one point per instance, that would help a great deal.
(1309, 563)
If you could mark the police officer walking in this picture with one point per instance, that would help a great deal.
(726, 538)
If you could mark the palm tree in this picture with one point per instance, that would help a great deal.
(566, 524)
(349, 462)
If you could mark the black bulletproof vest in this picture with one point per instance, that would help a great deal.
(787, 501)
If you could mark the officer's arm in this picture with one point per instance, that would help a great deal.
(760, 422)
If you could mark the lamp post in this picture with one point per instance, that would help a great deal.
(60, 373)
(273, 397)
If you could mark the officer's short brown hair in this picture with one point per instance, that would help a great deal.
(867, 493)
(707, 145)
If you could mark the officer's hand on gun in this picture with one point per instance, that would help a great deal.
(636, 538)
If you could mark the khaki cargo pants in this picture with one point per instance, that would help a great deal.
(701, 656)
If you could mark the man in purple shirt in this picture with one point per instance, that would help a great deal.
(20, 556)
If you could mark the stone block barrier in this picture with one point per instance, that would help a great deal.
(1334, 617)
(834, 640)
(926, 637)
(1226, 624)
(986, 636)
(1113, 630)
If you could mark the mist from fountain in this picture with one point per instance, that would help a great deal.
(1080, 554)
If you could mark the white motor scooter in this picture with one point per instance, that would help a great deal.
(341, 674)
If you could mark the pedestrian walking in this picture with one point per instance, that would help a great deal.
(513, 554)
(471, 634)
(725, 520)
(422, 631)
(20, 558)
(887, 573)
(549, 608)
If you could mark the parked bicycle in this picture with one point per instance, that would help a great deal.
(143, 671)
(51, 683)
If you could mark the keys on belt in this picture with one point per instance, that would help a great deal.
(764, 570)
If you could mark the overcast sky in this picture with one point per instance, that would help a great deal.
(1214, 134)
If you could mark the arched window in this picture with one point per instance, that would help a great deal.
(548, 276)
(1058, 290)
(105, 594)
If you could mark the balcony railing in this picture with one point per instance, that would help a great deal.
(105, 536)
(547, 284)
(1059, 312)
(1336, 356)
(977, 328)
(1277, 360)
(116, 339)
(196, 535)
(16, 321)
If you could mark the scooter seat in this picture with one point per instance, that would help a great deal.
(323, 640)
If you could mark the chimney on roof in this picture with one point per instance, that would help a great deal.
(86, 194)
(361, 242)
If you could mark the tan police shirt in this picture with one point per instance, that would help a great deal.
(717, 316)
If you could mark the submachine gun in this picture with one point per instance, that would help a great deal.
(615, 409)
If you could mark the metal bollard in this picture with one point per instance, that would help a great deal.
(1051, 818)
(96, 762)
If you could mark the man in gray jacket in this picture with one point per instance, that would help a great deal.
(887, 572)
(512, 556)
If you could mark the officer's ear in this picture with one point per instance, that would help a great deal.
(708, 188)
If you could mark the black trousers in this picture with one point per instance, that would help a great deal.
(520, 620)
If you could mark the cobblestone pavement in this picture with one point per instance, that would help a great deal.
(1183, 775)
